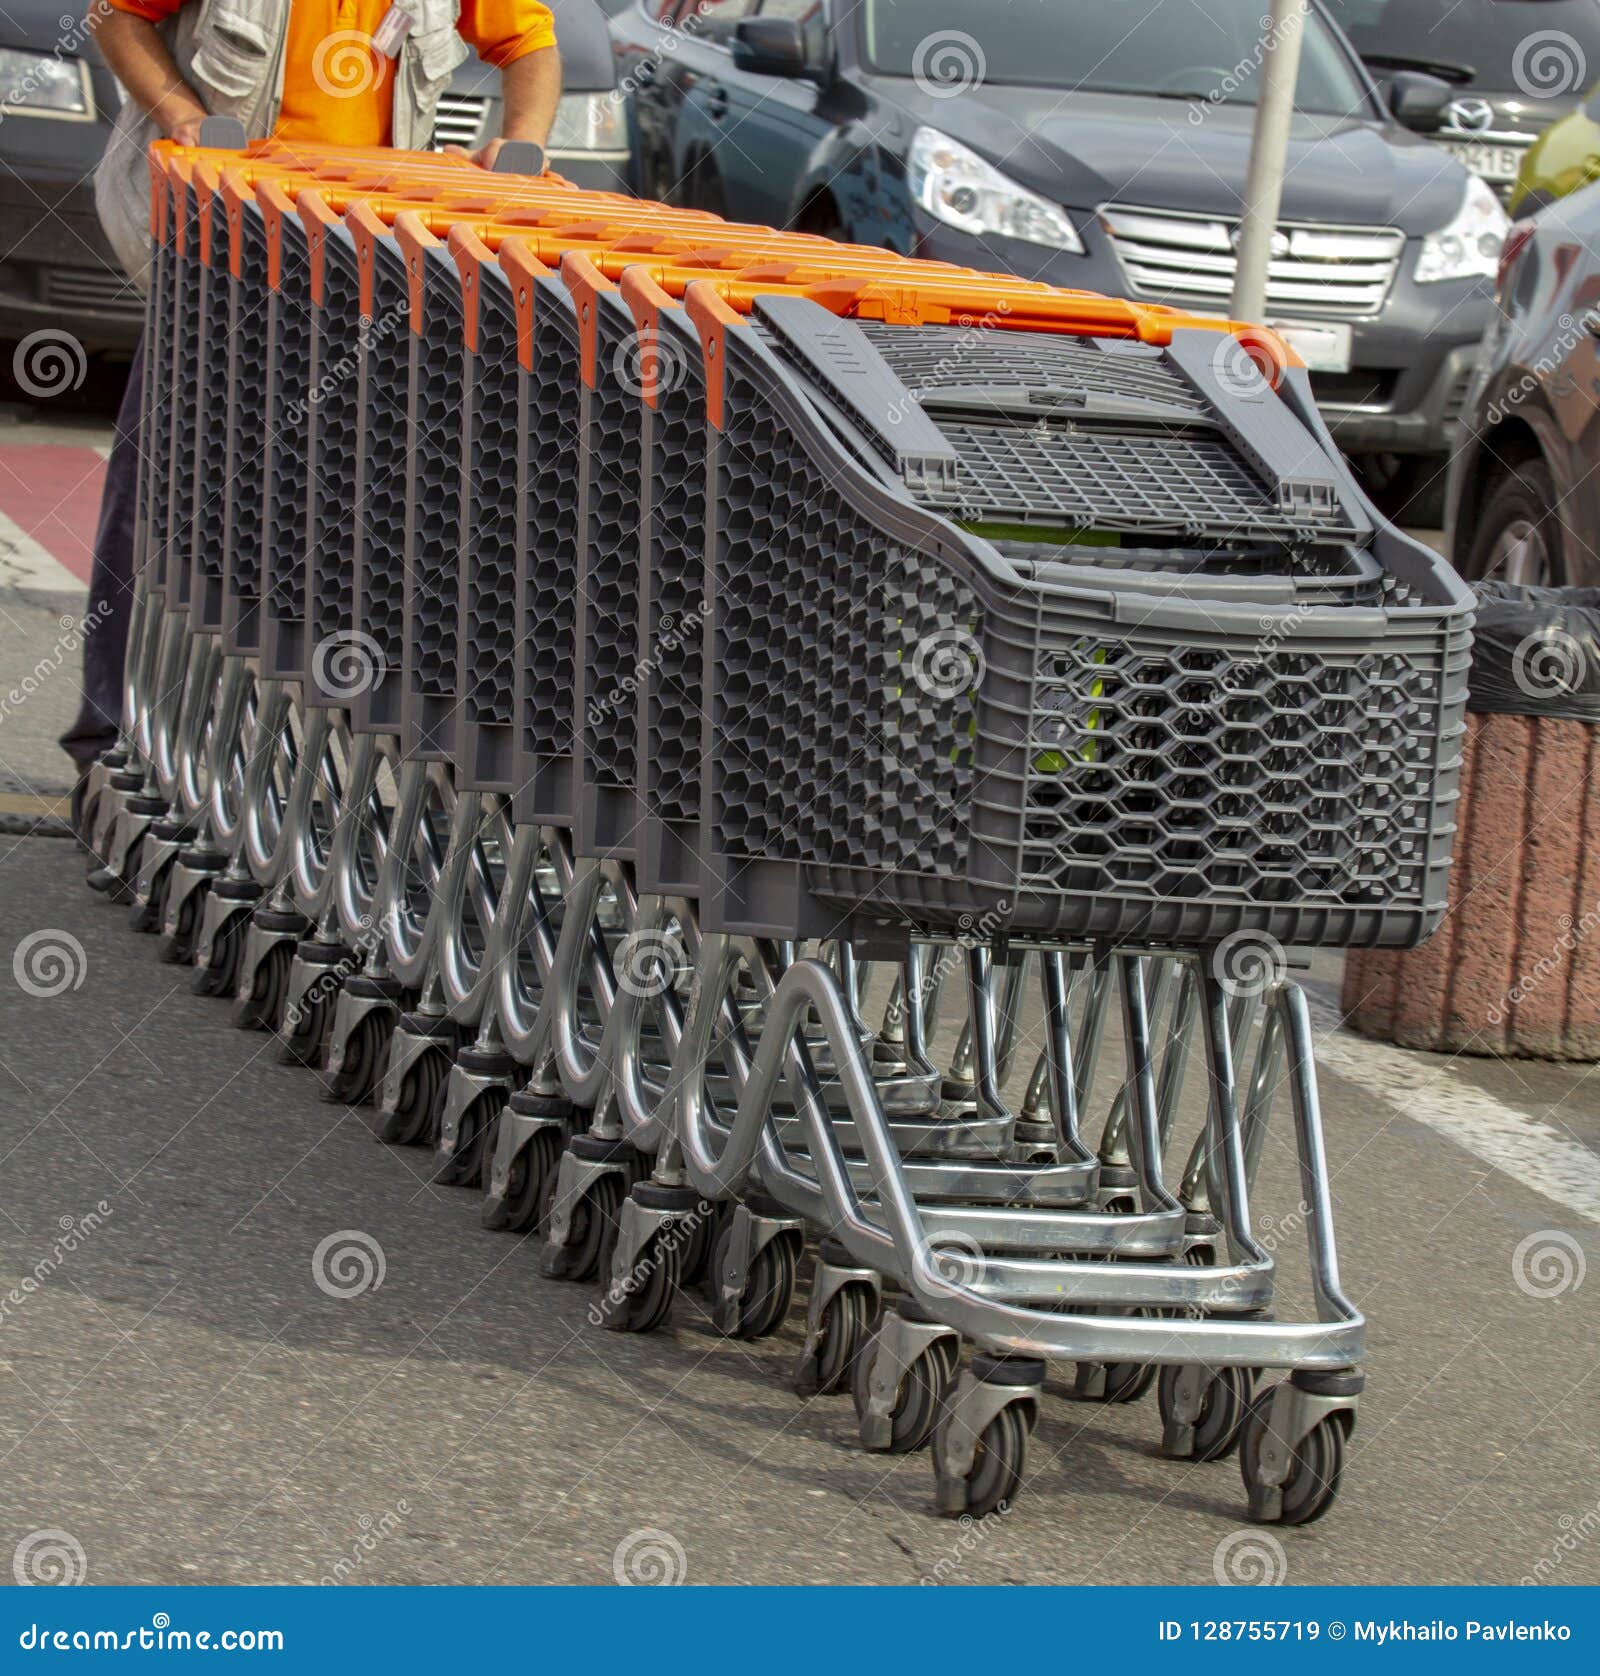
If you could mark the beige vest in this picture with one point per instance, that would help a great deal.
(231, 53)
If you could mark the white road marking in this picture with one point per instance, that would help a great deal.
(24, 563)
(1422, 1087)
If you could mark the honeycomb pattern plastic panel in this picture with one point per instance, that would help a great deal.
(433, 483)
(157, 453)
(380, 507)
(288, 403)
(247, 401)
(211, 424)
(610, 581)
(489, 546)
(186, 392)
(548, 491)
(331, 440)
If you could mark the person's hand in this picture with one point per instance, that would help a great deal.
(486, 154)
(184, 125)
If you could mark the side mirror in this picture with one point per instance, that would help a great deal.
(770, 46)
(1418, 100)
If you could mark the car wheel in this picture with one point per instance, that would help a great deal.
(1518, 538)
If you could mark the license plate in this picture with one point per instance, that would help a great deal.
(1322, 346)
(1490, 162)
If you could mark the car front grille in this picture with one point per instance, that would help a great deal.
(460, 120)
(98, 288)
(1190, 260)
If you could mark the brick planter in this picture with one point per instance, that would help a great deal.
(1515, 968)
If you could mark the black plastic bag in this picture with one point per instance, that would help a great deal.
(1536, 652)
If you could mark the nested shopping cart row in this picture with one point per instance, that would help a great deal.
(770, 757)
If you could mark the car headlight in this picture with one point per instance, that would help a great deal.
(588, 122)
(955, 185)
(1469, 246)
(39, 81)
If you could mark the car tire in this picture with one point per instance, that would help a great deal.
(1408, 489)
(1518, 535)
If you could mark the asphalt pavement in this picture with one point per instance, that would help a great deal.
(182, 1397)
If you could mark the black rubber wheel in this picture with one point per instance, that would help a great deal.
(220, 975)
(647, 1304)
(1222, 1410)
(593, 1233)
(411, 1122)
(846, 1328)
(919, 1402)
(694, 1248)
(147, 917)
(263, 1008)
(1128, 1381)
(1517, 534)
(1002, 1457)
(354, 1082)
(304, 1041)
(178, 949)
(1313, 1482)
(532, 1171)
(464, 1167)
(769, 1287)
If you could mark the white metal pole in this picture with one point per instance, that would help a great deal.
(1269, 148)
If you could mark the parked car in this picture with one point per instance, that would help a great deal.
(1524, 501)
(1563, 158)
(57, 100)
(970, 133)
(1514, 66)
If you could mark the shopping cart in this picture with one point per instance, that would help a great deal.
(757, 632)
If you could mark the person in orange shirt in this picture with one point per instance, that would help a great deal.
(347, 72)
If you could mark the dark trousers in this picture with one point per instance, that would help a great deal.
(105, 645)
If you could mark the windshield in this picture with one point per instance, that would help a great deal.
(1176, 48)
(1545, 48)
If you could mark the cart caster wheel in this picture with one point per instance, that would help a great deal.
(592, 1233)
(353, 1083)
(178, 949)
(473, 1153)
(646, 1306)
(220, 975)
(118, 887)
(769, 1289)
(303, 1043)
(262, 1008)
(1000, 1461)
(414, 1117)
(921, 1398)
(1222, 1410)
(1312, 1486)
(148, 916)
(694, 1259)
(846, 1328)
(533, 1170)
